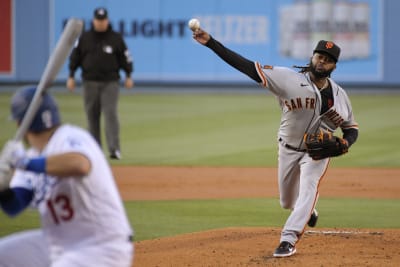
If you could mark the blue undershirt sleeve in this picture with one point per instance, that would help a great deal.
(15, 200)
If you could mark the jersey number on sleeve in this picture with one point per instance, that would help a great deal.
(60, 208)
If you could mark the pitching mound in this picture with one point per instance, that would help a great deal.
(254, 246)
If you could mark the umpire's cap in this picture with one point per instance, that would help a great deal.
(47, 115)
(329, 48)
(100, 13)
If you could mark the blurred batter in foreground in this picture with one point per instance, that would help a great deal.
(64, 175)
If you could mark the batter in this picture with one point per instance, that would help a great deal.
(310, 100)
(65, 176)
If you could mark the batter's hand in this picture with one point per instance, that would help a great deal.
(129, 83)
(11, 153)
(14, 154)
(6, 174)
(71, 84)
(201, 36)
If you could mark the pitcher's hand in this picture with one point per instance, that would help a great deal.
(201, 36)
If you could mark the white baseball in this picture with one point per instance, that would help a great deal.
(194, 24)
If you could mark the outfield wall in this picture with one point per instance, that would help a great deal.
(275, 32)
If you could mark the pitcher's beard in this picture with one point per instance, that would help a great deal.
(320, 74)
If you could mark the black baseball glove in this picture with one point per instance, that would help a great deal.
(323, 144)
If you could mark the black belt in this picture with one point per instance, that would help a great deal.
(291, 147)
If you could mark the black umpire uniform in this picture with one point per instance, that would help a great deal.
(101, 54)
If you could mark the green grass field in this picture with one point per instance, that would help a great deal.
(225, 129)
(228, 130)
(154, 219)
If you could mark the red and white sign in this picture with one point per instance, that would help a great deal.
(6, 33)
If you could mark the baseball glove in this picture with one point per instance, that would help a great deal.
(323, 144)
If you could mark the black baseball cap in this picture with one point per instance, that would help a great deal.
(329, 48)
(100, 13)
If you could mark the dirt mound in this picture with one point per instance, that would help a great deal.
(254, 246)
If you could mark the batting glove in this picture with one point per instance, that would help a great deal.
(6, 173)
(14, 154)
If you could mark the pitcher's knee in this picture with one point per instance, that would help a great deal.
(286, 204)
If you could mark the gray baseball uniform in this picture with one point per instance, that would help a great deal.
(298, 174)
(305, 109)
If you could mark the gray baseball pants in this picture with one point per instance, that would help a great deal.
(102, 97)
(298, 177)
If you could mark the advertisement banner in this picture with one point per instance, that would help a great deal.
(273, 32)
(6, 44)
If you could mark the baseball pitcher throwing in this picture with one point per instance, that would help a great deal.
(313, 107)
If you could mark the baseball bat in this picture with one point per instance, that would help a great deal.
(56, 60)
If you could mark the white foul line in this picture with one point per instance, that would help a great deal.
(343, 232)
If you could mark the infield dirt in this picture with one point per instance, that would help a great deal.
(254, 246)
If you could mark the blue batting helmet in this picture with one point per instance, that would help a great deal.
(47, 115)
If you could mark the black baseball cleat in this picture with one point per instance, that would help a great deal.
(313, 219)
(115, 155)
(285, 249)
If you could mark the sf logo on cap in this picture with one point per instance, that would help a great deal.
(329, 45)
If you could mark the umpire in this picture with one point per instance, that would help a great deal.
(101, 53)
